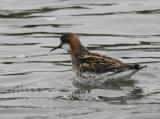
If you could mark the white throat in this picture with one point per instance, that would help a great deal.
(66, 46)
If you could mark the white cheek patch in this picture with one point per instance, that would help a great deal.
(66, 47)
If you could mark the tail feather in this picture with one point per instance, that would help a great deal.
(137, 66)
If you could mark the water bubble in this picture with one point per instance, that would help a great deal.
(50, 18)
(22, 56)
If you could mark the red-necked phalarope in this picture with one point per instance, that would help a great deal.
(91, 69)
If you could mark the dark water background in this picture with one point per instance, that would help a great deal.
(36, 84)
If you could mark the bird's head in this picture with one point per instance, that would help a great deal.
(68, 41)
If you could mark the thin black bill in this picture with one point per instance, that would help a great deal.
(55, 48)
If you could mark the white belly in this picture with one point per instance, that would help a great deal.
(95, 80)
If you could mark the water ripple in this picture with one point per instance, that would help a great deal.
(30, 13)
(37, 84)
(54, 34)
(154, 11)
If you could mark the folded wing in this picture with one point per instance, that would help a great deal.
(96, 63)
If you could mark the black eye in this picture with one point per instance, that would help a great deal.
(64, 41)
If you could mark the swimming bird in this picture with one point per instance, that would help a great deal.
(92, 69)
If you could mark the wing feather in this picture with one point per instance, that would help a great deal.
(99, 64)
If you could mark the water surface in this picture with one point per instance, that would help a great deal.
(36, 84)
